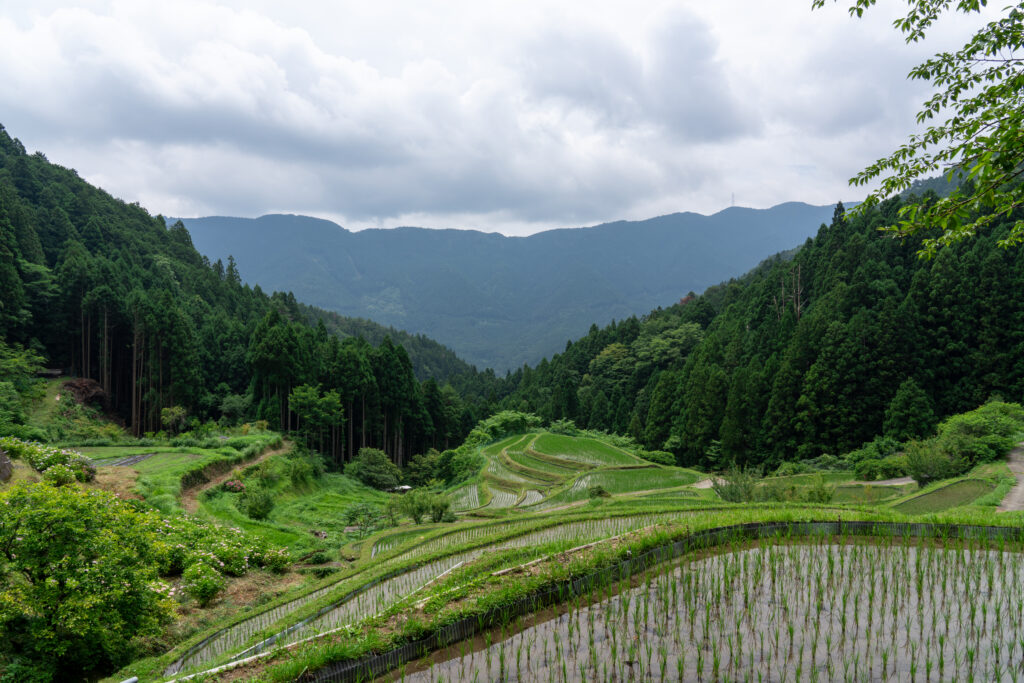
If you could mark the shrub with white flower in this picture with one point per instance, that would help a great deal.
(42, 457)
(59, 475)
(202, 582)
(78, 580)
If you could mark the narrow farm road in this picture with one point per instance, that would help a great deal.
(1015, 498)
(898, 481)
(190, 499)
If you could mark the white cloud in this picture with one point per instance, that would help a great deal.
(499, 116)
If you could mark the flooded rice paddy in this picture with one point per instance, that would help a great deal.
(805, 612)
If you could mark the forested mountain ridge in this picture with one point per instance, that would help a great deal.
(502, 301)
(804, 357)
(99, 287)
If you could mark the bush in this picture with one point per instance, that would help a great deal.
(256, 502)
(660, 457)
(881, 447)
(739, 485)
(415, 504)
(276, 560)
(300, 473)
(788, 469)
(893, 467)
(42, 457)
(929, 461)
(868, 470)
(234, 486)
(374, 468)
(566, 427)
(202, 582)
(440, 506)
(363, 516)
(984, 434)
(83, 468)
(59, 475)
(819, 491)
(500, 425)
(459, 465)
(422, 468)
(95, 542)
(598, 491)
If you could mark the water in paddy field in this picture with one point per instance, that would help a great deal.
(825, 612)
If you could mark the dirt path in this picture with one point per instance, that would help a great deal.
(1015, 498)
(899, 481)
(190, 499)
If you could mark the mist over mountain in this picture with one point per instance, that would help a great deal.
(503, 301)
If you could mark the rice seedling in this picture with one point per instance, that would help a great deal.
(820, 609)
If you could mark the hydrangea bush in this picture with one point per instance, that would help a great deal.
(42, 457)
(59, 475)
(202, 582)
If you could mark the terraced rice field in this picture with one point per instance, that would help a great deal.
(820, 611)
(502, 498)
(465, 498)
(377, 597)
(551, 466)
(532, 497)
(952, 495)
(499, 471)
(589, 451)
(622, 481)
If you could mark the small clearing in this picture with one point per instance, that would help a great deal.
(1015, 498)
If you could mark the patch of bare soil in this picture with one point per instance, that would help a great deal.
(118, 480)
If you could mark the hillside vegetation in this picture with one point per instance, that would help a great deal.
(499, 301)
(853, 338)
(104, 291)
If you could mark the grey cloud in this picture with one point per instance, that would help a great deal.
(680, 86)
(688, 86)
(563, 123)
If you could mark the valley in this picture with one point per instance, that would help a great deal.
(780, 444)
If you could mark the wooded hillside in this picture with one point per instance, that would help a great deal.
(802, 357)
(102, 289)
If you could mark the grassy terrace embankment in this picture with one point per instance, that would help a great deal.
(407, 581)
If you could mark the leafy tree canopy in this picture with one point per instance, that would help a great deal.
(979, 89)
(78, 579)
(373, 467)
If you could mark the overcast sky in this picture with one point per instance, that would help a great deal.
(501, 116)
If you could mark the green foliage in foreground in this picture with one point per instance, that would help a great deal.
(79, 583)
(978, 90)
(79, 586)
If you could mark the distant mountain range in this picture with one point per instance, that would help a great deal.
(499, 301)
